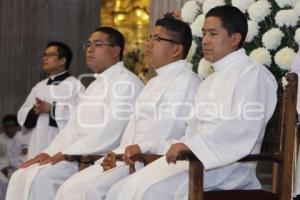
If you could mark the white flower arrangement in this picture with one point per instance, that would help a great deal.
(273, 34)
(284, 3)
(259, 10)
(243, 5)
(192, 51)
(284, 82)
(209, 4)
(205, 68)
(272, 38)
(197, 26)
(284, 58)
(253, 30)
(297, 7)
(261, 55)
(189, 11)
(286, 18)
(297, 36)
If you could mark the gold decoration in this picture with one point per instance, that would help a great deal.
(131, 17)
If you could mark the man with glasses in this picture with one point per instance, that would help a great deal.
(162, 109)
(95, 127)
(47, 108)
(231, 111)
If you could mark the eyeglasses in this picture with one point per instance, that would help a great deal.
(158, 39)
(95, 44)
(50, 54)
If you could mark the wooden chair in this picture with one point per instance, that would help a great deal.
(83, 161)
(278, 147)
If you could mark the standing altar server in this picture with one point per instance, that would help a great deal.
(47, 108)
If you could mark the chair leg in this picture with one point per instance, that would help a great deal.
(195, 180)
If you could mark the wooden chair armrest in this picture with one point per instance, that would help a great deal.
(278, 158)
(144, 158)
(86, 159)
(188, 155)
(90, 159)
(72, 158)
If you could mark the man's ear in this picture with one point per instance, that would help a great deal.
(178, 51)
(236, 39)
(63, 61)
(116, 51)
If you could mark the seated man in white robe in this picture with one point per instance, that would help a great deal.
(232, 108)
(10, 149)
(10, 146)
(47, 108)
(162, 109)
(96, 125)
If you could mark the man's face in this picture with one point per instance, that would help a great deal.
(100, 55)
(10, 129)
(160, 52)
(52, 64)
(216, 42)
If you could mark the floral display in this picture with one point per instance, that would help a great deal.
(273, 32)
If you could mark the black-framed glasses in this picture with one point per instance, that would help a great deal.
(50, 54)
(158, 39)
(96, 44)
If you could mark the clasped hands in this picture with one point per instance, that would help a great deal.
(41, 106)
(110, 161)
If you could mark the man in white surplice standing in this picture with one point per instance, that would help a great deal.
(162, 109)
(47, 108)
(232, 108)
(96, 126)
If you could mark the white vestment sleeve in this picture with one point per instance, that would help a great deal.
(27, 105)
(224, 140)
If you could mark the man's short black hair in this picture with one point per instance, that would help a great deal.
(64, 51)
(115, 37)
(233, 20)
(179, 30)
(10, 118)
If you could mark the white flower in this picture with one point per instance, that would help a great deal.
(253, 29)
(286, 17)
(262, 56)
(209, 4)
(201, 1)
(204, 68)
(297, 7)
(297, 36)
(284, 3)
(259, 10)
(272, 38)
(197, 26)
(189, 11)
(243, 5)
(192, 51)
(284, 82)
(284, 58)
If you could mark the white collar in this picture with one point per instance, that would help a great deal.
(171, 68)
(112, 70)
(55, 75)
(228, 59)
